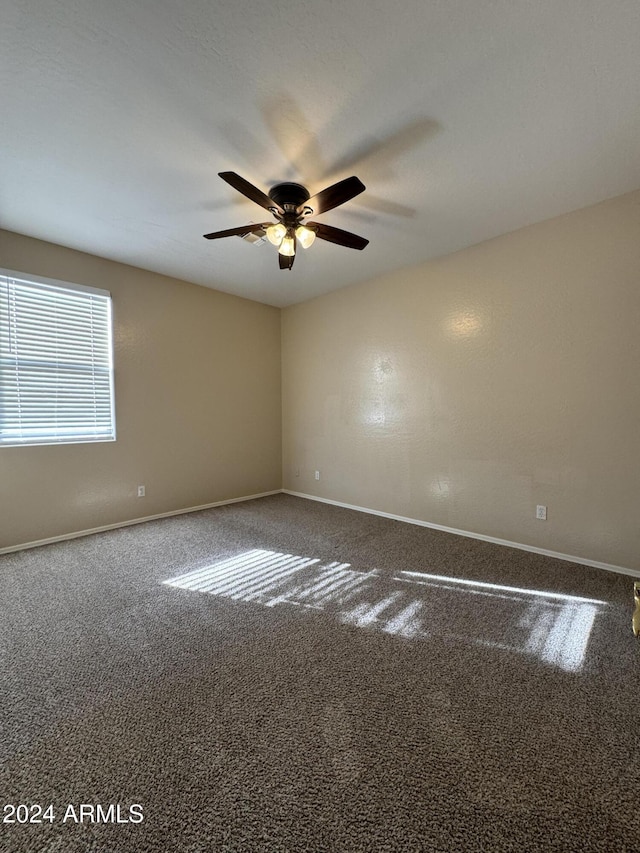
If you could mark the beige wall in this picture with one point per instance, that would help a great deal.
(197, 388)
(468, 390)
(462, 393)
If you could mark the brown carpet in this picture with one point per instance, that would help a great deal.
(284, 675)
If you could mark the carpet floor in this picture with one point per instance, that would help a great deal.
(284, 675)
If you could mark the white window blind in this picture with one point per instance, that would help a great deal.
(56, 371)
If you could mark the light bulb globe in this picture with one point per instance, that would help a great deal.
(305, 236)
(275, 233)
(288, 246)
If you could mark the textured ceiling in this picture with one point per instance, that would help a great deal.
(465, 119)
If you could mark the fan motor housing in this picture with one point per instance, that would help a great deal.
(289, 195)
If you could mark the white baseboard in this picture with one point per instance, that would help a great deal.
(118, 524)
(596, 564)
(556, 554)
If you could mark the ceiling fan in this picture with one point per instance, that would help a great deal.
(290, 204)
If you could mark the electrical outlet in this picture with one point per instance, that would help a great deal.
(141, 491)
(541, 512)
(317, 475)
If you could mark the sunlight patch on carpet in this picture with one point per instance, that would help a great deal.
(551, 626)
(558, 625)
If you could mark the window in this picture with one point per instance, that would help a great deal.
(56, 365)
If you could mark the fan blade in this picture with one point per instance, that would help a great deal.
(240, 232)
(334, 195)
(337, 235)
(250, 191)
(285, 261)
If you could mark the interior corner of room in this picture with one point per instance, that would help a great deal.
(463, 393)
(319, 418)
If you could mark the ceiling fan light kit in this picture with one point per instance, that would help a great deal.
(290, 203)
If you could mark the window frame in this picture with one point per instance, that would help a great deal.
(6, 276)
